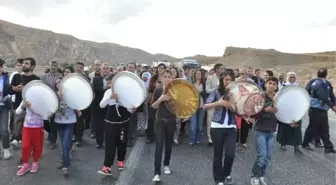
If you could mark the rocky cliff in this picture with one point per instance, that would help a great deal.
(19, 41)
(271, 58)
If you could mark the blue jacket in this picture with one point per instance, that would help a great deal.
(6, 87)
(321, 94)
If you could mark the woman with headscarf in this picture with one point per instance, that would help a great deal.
(146, 77)
(142, 117)
(290, 134)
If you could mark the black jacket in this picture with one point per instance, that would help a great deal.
(98, 89)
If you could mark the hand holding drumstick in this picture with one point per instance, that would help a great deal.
(250, 120)
(294, 124)
(26, 104)
(114, 96)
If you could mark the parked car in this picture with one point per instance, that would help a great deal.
(192, 64)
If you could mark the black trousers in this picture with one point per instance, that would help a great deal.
(150, 124)
(244, 131)
(92, 121)
(97, 120)
(150, 129)
(133, 127)
(318, 124)
(115, 140)
(51, 127)
(164, 135)
(79, 128)
(86, 114)
(223, 138)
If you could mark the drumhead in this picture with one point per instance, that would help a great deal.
(76, 91)
(43, 99)
(130, 89)
(248, 97)
(184, 100)
(292, 102)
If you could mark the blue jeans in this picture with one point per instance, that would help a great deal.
(196, 126)
(65, 132)
(264, 146)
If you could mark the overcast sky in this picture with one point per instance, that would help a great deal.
(185, 27)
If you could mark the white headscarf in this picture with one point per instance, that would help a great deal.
(289, 74)
(148, 76)
(184, 76)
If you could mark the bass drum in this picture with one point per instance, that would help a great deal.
(130, 89)
(184, 98)
(76, 91)
(43, 99)
(247, 97)
(292, 102)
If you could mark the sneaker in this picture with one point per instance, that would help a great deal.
(78, 143)
(330, 151)
(25, 168)
(262, 181)
(255, 181)
(52, 146)
(209, 145)
(15, 143)
(7, 154)
(244, 145)
(156, 178)
(121, 165)
(105, 171)
(228, 180)
(176, 142)
(221, 183)
(65, 171)
(34, 167)
(20, 163)
(166, 170)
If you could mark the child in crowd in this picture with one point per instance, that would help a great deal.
(116, 130)
(32, 139)
(65, 119)
(265, 129)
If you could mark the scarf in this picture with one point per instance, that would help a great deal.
(148, 76)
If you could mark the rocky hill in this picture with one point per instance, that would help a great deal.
(19, 41)
(305, 65)
(271, 58)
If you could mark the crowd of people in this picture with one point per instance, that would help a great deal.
(115, 128)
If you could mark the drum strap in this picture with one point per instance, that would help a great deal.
(117, 109)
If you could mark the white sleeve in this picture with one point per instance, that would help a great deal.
(19, 110)
(107, 99)
(129, 110)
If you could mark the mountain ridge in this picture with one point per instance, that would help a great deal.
(44, 45)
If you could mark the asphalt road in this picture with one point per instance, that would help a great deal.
(86, 161)
(193, 165)
(189, 166)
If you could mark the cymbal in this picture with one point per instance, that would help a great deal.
(184, 100)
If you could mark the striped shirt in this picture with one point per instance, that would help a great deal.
(50, 79)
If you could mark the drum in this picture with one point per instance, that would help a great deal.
(43, 99)
(76, 91)
(292, 102)
(130, 89)
(184, 98)
(247, 97)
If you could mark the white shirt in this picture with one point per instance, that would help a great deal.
(108, 101)
(65, 115)
(10, 82)
(225, 124)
